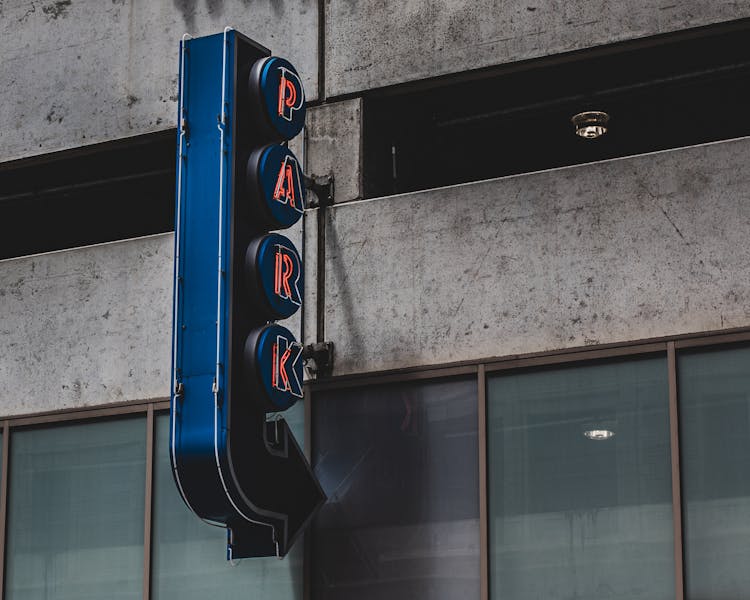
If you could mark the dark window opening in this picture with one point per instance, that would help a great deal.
(107, 192)
(399, 466)
(677, 93)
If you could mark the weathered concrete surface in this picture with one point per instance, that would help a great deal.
(76, 72)
(626, 249)
(90, 325)
(310, 258)
(86, 326)
(373, 43)
(334, 146)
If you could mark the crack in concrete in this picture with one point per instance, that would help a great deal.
(361, 247)
(664, 212)
(671, 222)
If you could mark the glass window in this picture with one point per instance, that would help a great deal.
(579, 478)
(714, 394)
(399, 464)
(189, 557)
(75, 523)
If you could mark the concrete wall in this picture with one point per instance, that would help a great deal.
(86, 326)
(76, 72)
(90, 325)
(625, 249)
(619, 250)
(373, 43)
(333, 139)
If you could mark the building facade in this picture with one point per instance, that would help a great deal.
(541, 376)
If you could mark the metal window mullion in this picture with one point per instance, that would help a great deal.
(148, 504)
(483, 500)
(307, 551)
(84, 414)
(674, 437)
(4, 504)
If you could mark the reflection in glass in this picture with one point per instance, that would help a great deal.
(75, 522)
(189, 557)
(580, 483)
(400, 467)
(714, 394)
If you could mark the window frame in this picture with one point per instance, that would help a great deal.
(83, 415)
(667, 345)
(480, 368)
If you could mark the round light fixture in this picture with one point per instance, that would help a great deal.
(599, 434)
(590, 124)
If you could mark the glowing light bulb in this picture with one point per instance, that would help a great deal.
(590, 124)
(599, 434)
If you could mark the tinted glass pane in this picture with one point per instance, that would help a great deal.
(75, 526)
(399, 466)
(189, 558)
(580, 483)
(714, 394)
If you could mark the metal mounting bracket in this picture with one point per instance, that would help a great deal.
(318, 358)
(322, 187)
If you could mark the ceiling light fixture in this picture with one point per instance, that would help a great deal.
(590, 124)
(599, 434)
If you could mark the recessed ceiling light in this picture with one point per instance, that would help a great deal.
(599, 434)
(590, 124)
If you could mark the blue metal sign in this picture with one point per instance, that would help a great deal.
(230, 366)
(274, 276)
(282, 97)
(281, 384)
(274, 176)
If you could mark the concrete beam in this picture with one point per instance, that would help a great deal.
(78, 72)
(334, 146)
(90, 325)
(625, 249)
(373, 43)
(86, 326)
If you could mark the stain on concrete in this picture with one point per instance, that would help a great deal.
(53, 116)
(277, 7)
(187, 8)
(132, 100)
(216, 7)
(57, 9)
(462, 28)
(29, 11)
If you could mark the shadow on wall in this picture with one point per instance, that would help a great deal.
(344, 301)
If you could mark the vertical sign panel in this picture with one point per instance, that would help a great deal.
(232, 363)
